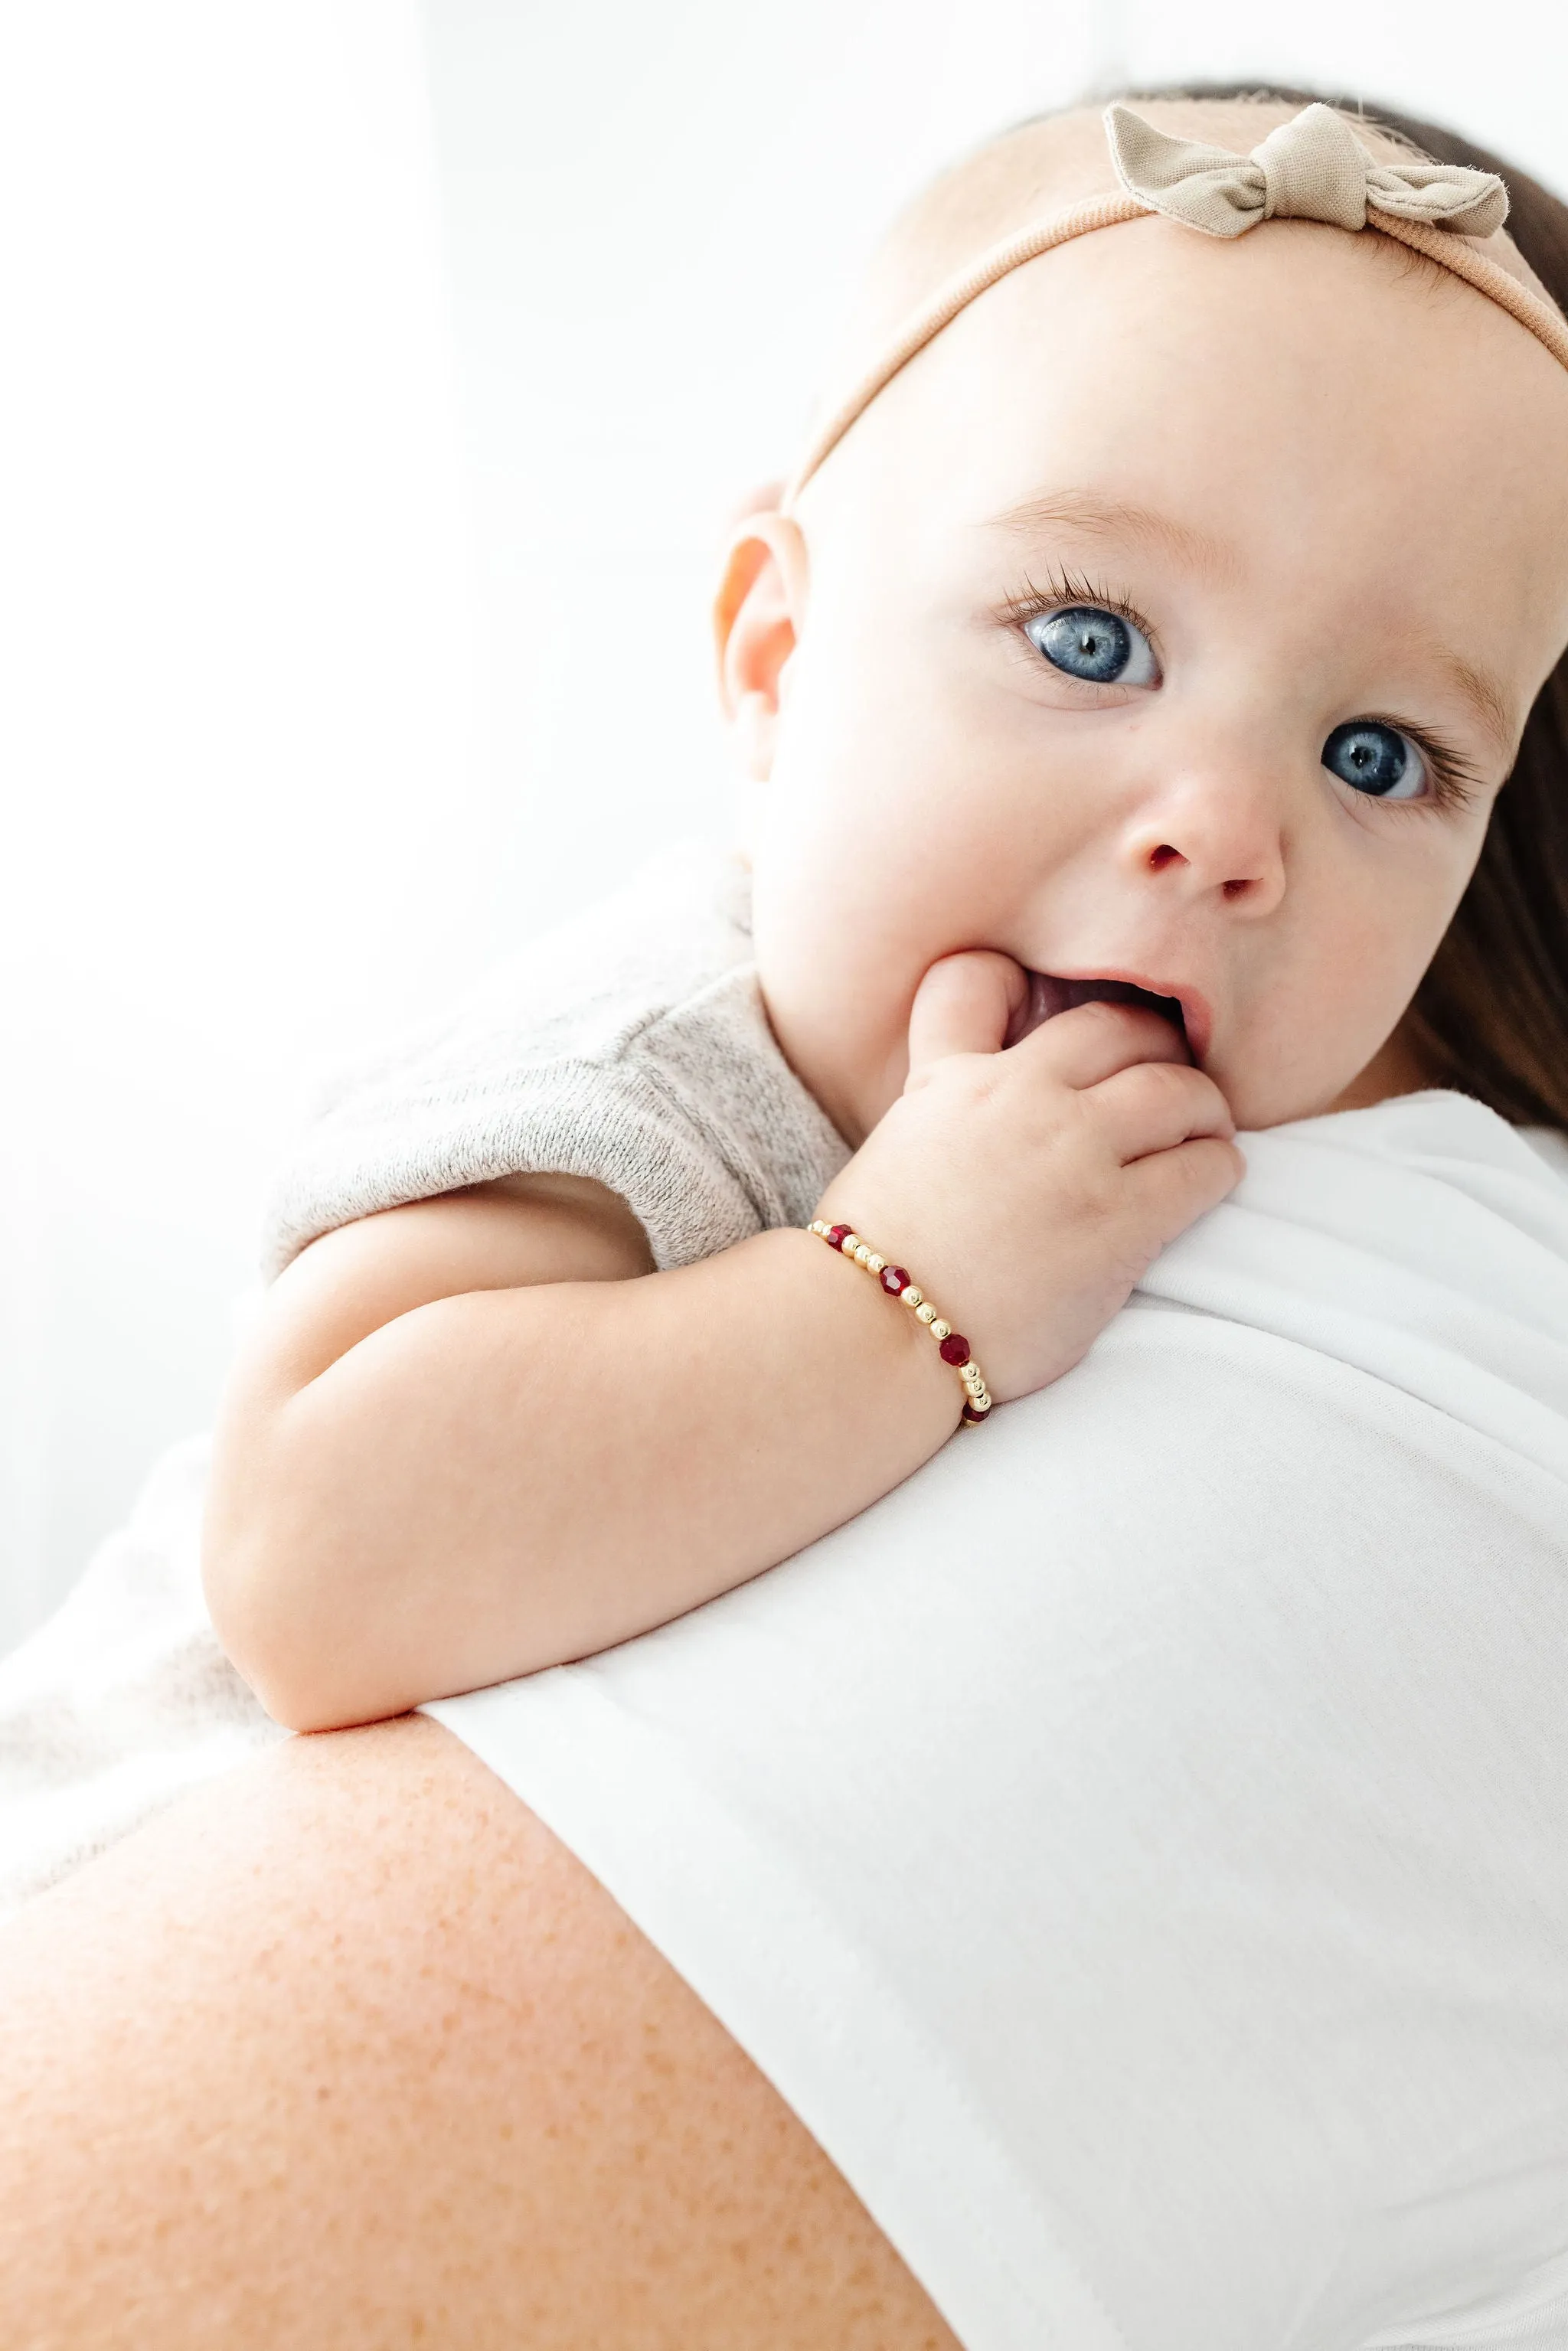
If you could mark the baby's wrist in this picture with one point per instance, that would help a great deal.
(865, 1337)
(898, 1284)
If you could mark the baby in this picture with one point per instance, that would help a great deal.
(1126, 682)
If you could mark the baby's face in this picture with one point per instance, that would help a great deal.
(1172, 620)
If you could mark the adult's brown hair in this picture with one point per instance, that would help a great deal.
(1492, 1016)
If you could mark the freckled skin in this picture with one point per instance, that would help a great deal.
(375, 2062)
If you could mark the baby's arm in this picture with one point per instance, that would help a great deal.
(478, 1434)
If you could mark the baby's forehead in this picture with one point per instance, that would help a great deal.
(1041, 169)
(1316, 405)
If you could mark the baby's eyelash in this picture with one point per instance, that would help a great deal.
(1455, 782)
(1065, 587)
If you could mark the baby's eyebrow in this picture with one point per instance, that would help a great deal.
(1488, 703)
(1104, 517)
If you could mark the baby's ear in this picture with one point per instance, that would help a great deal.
(757, 618)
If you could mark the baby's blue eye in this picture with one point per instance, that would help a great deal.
(1100, 647)
(1375, 760)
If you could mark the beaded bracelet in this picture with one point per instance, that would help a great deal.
(952, 1347)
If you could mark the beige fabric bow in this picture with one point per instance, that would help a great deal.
(1312, 168)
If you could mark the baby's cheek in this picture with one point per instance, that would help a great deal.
(888, 839)
(838, 962)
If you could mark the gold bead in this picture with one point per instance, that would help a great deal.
(925, 1311)
(940, 1330)
(861, 1253)
(873, 1263)
(971, 1375)
(912, 1297)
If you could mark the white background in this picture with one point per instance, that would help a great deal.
(378, 384)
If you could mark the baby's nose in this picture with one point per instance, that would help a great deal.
(1214, 833)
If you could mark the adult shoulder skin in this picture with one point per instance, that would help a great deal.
(346, 2050)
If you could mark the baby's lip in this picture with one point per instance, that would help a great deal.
(1051, 992)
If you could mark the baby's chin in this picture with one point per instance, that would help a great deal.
(1262, 1095)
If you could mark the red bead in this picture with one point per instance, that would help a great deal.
(954, 1349)
(839, 1233)
(894, 1280)
(971, 1413)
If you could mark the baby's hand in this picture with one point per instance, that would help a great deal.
(1028, 1188)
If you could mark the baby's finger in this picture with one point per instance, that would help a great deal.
(964, 1005)
(1171, 1190)
(1155, 1105)
(1085, 1047)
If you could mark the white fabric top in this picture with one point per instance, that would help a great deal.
(1138, 1848)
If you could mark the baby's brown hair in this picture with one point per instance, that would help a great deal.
(1492, 1016)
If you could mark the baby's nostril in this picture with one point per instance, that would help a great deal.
(1162, 856)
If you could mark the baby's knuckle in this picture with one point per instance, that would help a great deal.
(1095, 1201)
(956, 1087)
(1204, 1170)
(1167, 1081)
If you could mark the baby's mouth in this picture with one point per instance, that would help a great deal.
(1048, 996)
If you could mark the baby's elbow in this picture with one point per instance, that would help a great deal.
(271, 1604)
(260, 1632)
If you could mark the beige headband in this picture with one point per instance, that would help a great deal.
(1312, 168)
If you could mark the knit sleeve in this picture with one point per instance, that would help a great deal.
(633, 1047)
